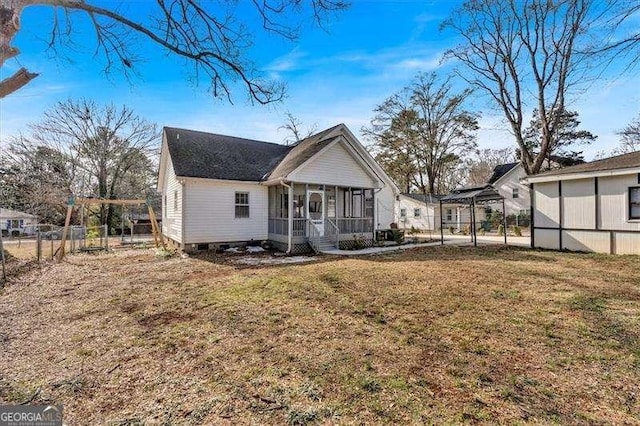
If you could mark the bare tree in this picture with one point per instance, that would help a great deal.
(523, 55)
(209, 36)
(629, 138)
(622, 38)
(427, 126)
(480, 166)
(99, 151)
(294, 127)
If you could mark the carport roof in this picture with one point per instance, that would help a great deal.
(474, 193)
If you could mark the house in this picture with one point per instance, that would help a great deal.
(588, 207)
(325, 190)
(13, 221)
(422, 212)
(506, 180)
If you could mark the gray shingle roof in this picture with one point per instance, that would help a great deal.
(212, 156)
(623, 161)
(422, 197)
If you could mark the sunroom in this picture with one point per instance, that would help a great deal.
(322, 216)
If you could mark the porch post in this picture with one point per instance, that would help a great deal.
(290, 214)
(375, 211)
(441, 223)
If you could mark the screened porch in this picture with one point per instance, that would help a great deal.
(331, 210)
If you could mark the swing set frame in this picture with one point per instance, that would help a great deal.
(73, 202)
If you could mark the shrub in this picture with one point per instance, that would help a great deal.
(466, 230)
(413, 230)
(517, 231)
(451, 230)
(358, 242)
(501, 229)
(398, 236)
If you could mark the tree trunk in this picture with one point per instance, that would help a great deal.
(10, 11)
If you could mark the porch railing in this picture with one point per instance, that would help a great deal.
(354, 225)
(280, 226)
(332, 232)
(313, 236)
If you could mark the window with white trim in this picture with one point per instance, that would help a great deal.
(449, 213)
(416, 212)
(634, 202)
(515, 193)
(403, 212)
(242, 205)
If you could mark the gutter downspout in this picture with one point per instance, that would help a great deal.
(290, 212)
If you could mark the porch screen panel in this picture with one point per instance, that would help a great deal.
(356, 203)
(368, 203)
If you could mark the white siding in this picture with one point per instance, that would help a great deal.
(546, 205)
(579, 211)
(586, 241)
(385, 207)
(578, 204)
(627, 243)
(505, 187)
(334, 166)
(210, 208)
(614, 202)
(547, 238)
(171, 217)
(427, 220)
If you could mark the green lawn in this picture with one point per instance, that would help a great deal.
(436, 335)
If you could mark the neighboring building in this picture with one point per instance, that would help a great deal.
(13, 221)
(588, 207)
(422, 212)
(506, 180)
(220, 189)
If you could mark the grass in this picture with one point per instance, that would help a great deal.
(422, 336)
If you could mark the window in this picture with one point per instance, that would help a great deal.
(331, 205)
(634, 202)
(403, 212)
(368, 203)
(356, 203)
(416, 212)
(175, 201)
(242, 204)
(514, 193)
(449, 215)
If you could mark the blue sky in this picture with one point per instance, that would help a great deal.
(338, 75)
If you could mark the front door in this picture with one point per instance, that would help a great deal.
(315, 209)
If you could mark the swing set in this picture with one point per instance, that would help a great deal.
(73, 202)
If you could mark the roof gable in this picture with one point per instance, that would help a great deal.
(500, 170)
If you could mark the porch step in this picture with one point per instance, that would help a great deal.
(325, 244)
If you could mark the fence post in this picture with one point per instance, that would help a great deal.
(38, 245)
(106, 237)
(72, 248)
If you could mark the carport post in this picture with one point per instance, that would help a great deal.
(474, 236)
(441, 230)
(504, 220)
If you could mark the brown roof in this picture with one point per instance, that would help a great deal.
(624, 161)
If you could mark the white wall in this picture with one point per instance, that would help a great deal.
(171, 217)
(429, 219)
(385, 201)
(210, 212)
(505, 186)
(334, 166)
(579, 203)
(546, 207)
